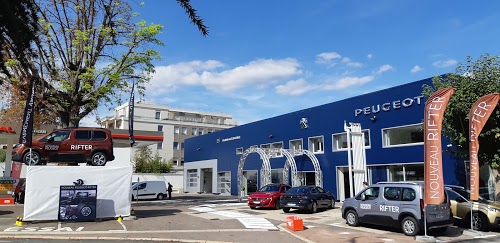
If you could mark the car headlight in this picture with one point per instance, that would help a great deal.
(269, 198)
(495, 210)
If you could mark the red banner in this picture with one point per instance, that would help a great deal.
(433, 167)
(479, 114)
(16, 170)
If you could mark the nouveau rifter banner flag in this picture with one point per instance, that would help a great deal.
(479, 114)
(27, 125)
(131, 117)
(433, 159)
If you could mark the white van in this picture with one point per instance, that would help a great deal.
(149, 190)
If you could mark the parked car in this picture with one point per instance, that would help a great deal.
(486, 213)
(93, 146)
(307, 197)
(268, 196)
(397, 204)
(149, 190)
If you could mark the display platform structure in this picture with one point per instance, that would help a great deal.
(43, 188)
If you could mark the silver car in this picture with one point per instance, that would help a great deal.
(396, 204)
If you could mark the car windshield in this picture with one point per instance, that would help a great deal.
(299, 190)
(270, 188)
(466, 194)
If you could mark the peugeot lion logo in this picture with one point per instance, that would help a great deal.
(78, 182)
(303, 123)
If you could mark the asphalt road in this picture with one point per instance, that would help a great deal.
(211, 218)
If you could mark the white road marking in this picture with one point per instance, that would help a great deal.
(123, 226)
(257, 223)
(309, 226)
(344, 233)
(249, 221)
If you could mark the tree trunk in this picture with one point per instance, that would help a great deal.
(67, 120)
(496, 177)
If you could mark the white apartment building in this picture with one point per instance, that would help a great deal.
(176, 125)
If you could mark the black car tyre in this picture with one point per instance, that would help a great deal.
(33, 159)
(286, 210)
(160, 196)
(314, 207)
(332, 204)
(86, 211)
(479, 222)
(99, 159)
(351, 218)
(409, 226)
(277, 204)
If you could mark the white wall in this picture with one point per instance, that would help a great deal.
(203, 164)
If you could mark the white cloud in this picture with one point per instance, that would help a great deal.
(369, 56)
(347, 82)
(444, 64)
(327, 57)
(295, 87)
(383, 68)
(354, 64)
(258, 73)
(416, 69)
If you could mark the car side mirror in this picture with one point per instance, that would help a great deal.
(363, 197)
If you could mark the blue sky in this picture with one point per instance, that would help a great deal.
(265, 58)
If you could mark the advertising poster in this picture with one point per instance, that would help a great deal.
(77, 203)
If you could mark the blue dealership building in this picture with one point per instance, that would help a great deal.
(390, 119)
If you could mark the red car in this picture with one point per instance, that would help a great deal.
(268, 196)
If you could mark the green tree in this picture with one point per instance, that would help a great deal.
(472, 80)
(3, 155)
(146, 163)
(87, 53)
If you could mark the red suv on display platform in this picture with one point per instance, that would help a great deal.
(268, 196)
(93, 146)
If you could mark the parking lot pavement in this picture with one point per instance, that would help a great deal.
(201, 218)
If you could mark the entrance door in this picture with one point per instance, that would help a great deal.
(207, 180)
(250, 180)
(343, 186)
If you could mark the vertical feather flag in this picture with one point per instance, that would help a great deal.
(479, 114)
(131, 117)
(27, 125)
(433, 158)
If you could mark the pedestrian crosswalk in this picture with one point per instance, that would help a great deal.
(249, 221)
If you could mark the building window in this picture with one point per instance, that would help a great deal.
(159, 145)
(160, 128)
(265, 146)
(405, 172)
(182, 162)
(296, 144)
(194, 131)
(192, 178)
(182, 146)
(316, 144)
(254, 146)
(239, 150)
(200, 131)
(339, 140)
(184, 131)
(277, 176)
(176, 145)
(175, 161)
(224, 182)
(276, 146)
(210, 130)
(403, 135)
(176, 130)
(157, 115)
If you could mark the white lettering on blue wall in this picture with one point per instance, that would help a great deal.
(394, 105)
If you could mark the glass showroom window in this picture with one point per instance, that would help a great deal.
(403, 136)
(339, 140)
(316, 144)
(277, 176)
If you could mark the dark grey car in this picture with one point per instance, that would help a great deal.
(396, 204)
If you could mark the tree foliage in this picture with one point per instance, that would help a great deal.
(146, 163)
(472, 80)
(3, 155)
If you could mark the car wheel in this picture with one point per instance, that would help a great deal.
(86, 211)
(479, 222)
(314, 207)
(33, 159)
(351, 218)
(160, 196)
(409, 226)
(332, 204)
(277, 203)
(286, 210)
(99, 159)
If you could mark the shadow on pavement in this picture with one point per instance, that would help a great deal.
(140, 213)
(6, 212)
